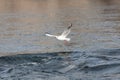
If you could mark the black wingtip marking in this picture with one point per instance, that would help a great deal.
(70, 26)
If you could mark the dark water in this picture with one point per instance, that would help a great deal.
(97, 65)
(27, 54)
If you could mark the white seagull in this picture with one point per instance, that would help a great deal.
(63, 36)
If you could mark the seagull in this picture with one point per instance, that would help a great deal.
(63, 36)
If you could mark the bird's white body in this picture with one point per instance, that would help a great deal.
(63, 36)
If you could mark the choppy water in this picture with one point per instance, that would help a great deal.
(97, 65)
(92, 54)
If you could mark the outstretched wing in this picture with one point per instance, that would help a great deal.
(66, 32)
(50, 35)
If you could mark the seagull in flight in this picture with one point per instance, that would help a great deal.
(63, 36)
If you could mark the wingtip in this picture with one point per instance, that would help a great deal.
(46, 33)
(70, 26)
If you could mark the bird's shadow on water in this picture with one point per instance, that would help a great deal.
(105, 61)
